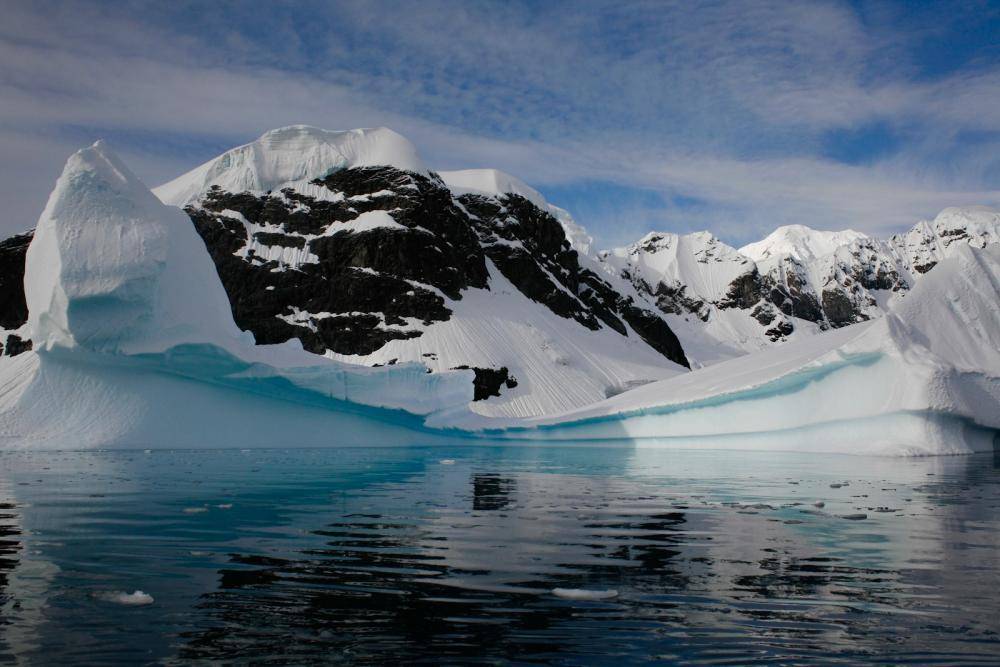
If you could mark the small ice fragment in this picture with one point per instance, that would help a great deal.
(225, 506)
(195, 510)
(147, 451)
(447, 462)
(854, 517)
(584, 594)
(134, 599)
(819, 503)
(200, 554)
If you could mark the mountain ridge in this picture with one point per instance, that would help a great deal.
(316, 240)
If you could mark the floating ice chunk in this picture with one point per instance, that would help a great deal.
(134, 599)
(225, 506)
(195, 510)
(447, 462)
(584, 594)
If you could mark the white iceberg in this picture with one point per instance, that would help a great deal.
(133, 599)
(135, 345)
(584, 594)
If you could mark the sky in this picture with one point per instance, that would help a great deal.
(735, 117)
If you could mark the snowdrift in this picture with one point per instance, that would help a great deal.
(923, 380)
(135, 343)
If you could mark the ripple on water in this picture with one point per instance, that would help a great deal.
(528, 554)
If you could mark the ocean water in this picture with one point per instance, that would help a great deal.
(497, 555)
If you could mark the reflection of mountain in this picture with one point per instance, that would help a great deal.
(491, 492)
(10, 548)
(454, 581)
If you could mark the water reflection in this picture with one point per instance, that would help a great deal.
(445, 572)
(10, 547)
(452, 554)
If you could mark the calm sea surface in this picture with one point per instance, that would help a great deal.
(453, 554)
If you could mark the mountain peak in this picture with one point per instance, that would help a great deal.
(800, 242)
(295, 154)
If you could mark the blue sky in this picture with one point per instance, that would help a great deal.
(734, 117)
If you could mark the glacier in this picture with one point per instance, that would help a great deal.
(135, 346)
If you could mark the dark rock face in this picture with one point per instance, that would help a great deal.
(530, 248)
(488, 381)
(840, 310)
(352, 288)
(763, 313)
(13, 308)
(360, 288)
(743, 292)
(675, 299)
(16, 346)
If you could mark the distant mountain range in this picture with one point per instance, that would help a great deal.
(350, 244)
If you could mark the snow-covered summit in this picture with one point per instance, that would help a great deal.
(293, 155)
(111, 268)
(798, 241)
(492, 183)
(699, 261)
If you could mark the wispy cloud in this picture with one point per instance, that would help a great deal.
(732, 105)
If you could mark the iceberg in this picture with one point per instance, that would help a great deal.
(135, 345)
(925, 379)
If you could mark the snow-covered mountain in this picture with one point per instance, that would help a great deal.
(350, 244)
(347, 242)
(923, 379)
(138, 324)
(724, 302)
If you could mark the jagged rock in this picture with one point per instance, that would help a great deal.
(13, 308)
(488, 381)
(743, 292)
(763, 313)
(779, 331)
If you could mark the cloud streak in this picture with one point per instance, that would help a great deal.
(732, 106)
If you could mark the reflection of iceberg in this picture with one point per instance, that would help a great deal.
(135, 345)
(923, 380)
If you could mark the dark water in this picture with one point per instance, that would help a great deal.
(451, 555)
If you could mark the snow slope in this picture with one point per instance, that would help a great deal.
(556, 367)
(925, 379)
(134, 338)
